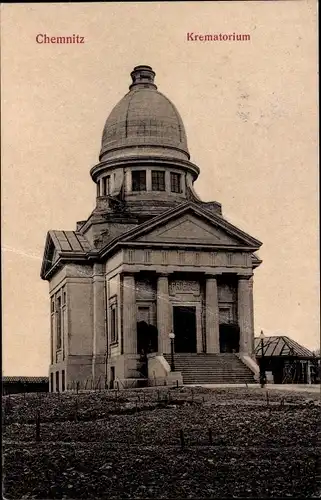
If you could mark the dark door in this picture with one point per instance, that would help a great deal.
(112, 377)
(147, 338)
(229, 338)
(142, 337)
(185, 328)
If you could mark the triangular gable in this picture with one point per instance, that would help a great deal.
(69, 245)
(190, 229)
(190, 224)
(50, 253)
(55, 256)
(280, 345)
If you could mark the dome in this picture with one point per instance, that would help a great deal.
(144, 123)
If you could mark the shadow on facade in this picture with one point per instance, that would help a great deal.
(229, 338)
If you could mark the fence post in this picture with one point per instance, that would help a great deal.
(38, 426)
(182, 438)
(76, 410)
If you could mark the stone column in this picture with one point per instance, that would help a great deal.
(212, 316)
(251, 332)
(244, 314)
(99, 329)
(163, 314)
(129, 315)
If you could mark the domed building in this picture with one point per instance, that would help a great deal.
(155, 287)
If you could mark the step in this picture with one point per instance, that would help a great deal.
(211, 368)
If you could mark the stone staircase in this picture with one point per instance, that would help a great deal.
(211, 368)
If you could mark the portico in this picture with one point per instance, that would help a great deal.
(201, 292)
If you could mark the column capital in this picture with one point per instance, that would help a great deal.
(98, 269)
(163, 275)
(211, 276)
(246, 277)
(127, 274)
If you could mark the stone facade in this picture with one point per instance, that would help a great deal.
(151, 259)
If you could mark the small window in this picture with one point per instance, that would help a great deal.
(63, 382)
(51, 382)
(52, 327)
(106, 185)
(52, 306)
(175, 183)
(58, 322)
(158, 180)
(139, 180)
(64, 298)
(113, 323)
(57, 381)
(98, 189)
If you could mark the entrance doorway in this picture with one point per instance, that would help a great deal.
(229, 338)
(147, 338)
(112, 377)
(184, 320)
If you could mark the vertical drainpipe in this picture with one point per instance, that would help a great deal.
(106, 332)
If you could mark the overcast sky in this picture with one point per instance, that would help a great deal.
(250, 114)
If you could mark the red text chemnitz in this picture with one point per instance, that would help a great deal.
(44, 38)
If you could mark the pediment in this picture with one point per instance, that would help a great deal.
(185, 226)
(54, 256)
(190, 229)
(59, 245)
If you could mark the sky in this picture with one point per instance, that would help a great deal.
(250, 114)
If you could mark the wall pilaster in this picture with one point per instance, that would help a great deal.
(99, 330)
(129, 315)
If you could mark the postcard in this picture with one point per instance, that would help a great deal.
(160, 249)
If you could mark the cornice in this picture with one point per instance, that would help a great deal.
(148, 161)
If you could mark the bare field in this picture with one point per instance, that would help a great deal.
(162, 443)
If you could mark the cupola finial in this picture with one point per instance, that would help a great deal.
(143, 76)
